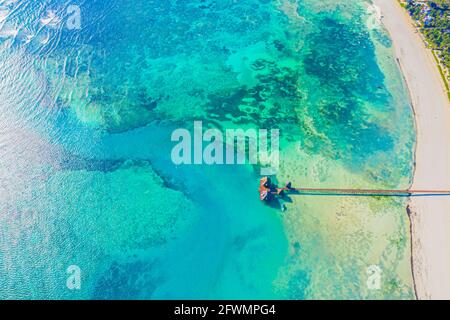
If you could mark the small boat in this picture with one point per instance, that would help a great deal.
(264, 195)
(265, 182)
(264, 189)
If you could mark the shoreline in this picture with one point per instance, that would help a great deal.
(409, 212)
(429, 217)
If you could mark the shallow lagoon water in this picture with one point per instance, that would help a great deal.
(85, 137)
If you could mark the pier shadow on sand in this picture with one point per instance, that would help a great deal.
(402, 195)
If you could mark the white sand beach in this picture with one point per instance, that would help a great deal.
(430, 216)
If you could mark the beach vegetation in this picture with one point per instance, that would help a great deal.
(433, 19)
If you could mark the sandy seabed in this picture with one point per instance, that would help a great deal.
(430, 216)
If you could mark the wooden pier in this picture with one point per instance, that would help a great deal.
(268, 190)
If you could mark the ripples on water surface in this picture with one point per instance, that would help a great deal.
(85, 174)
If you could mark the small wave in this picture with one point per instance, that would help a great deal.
(4, 13)
(24, 91)
(51, 20)
(9, 32)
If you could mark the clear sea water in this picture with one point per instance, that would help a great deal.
(86, 177)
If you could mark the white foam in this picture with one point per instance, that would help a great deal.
(4, 13)
(51, 20)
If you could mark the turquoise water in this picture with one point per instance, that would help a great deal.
(86, 176)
